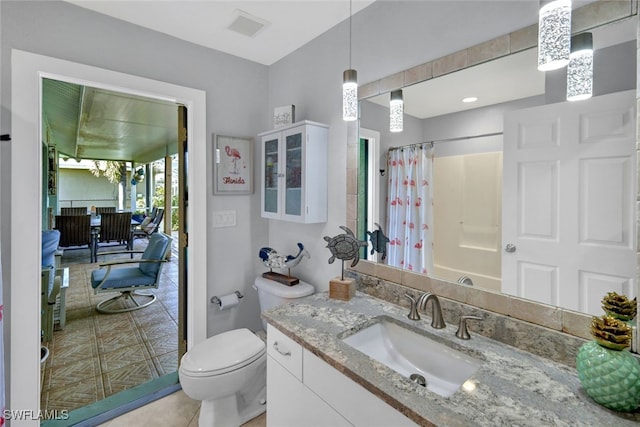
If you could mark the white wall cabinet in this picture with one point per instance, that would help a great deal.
(294, 173)
(303, 390)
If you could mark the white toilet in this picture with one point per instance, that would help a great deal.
(227, 372)
(272, 294)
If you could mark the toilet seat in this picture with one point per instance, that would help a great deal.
(223, 353)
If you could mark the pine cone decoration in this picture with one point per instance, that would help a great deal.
(609, 374)
(619, 306)
(610, 332)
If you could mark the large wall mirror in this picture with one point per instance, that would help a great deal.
(490, 183)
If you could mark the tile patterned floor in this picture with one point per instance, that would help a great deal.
(97, 355)
(175, 410)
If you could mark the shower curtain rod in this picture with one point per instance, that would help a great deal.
(438, 141)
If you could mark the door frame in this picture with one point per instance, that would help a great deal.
(27, 71)
(374, 172)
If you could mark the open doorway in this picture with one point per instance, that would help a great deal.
(370, 169)
(26, 208)
(129, 166)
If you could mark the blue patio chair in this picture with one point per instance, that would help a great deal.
(129, 276)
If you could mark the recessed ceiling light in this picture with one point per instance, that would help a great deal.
(247, 24)
(470, 99)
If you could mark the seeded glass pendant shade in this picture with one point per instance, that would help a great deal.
(396, 111)
(580, 69)
(350, 95)
(554, 34)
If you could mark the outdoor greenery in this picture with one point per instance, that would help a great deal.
(158, 200)
(115, 172)
(112, 170)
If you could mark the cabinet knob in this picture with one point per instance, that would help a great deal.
(277, 348)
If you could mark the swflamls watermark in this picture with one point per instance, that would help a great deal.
(30, 414)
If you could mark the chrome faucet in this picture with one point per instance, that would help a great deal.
(437, 321)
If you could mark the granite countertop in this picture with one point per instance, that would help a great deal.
(513, 387)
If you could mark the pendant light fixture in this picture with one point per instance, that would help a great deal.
(396, 111)
(554, 34)
(350, 85)
(580, 69)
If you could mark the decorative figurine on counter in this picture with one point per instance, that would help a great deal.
(272, 259)
(607, 370)
(378, 241)
(344, 247)
(619, 306)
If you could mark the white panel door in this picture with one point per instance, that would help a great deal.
(568, 204)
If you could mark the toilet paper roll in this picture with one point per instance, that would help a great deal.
(228, 301)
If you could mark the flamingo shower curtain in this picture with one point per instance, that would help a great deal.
(409, 208)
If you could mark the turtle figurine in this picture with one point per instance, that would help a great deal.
(344, 247)
(378, 241)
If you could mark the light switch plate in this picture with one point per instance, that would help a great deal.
(224, 219)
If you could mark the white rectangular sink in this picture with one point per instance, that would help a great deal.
(409, 352)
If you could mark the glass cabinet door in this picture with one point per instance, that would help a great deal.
(271, 175)
(293, 174)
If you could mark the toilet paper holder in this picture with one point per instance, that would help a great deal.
(216, 300)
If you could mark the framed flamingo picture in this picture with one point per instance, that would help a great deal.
(233, 165)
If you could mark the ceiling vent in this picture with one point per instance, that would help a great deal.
(247, 25)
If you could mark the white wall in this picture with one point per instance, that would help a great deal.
(80, 184)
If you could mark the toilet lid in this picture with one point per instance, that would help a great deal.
(302, 289)
(222, 353)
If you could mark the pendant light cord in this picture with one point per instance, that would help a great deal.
(350, 13)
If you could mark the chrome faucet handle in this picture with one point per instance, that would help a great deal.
(463, 332)
(413, 309)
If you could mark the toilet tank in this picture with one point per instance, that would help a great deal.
(272, 294)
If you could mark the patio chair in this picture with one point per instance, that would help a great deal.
(105, 209)
(75, 231)
(130, 276)
(147, 230)
(73, 211)
(114, 227)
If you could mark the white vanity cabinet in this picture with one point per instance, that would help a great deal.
(294, 172)
(303, 390)
(289, 401)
